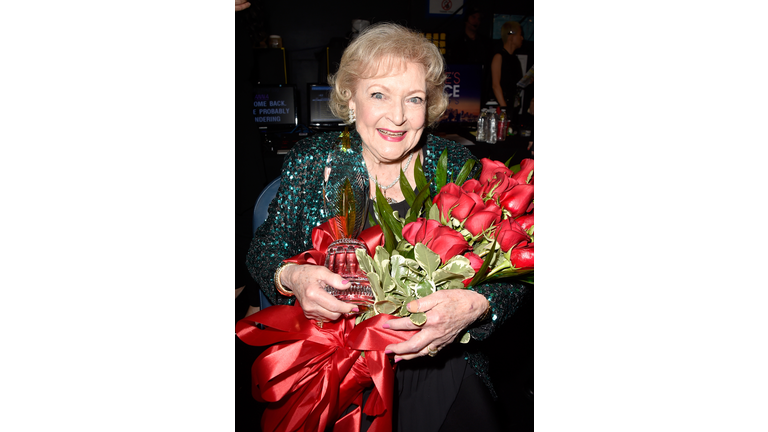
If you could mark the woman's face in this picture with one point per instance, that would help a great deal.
(391, 111)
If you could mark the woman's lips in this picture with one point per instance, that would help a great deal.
(391, 135)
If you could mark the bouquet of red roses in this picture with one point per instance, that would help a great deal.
(473, 231)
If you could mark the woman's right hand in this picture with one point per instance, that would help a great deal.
(307, 283)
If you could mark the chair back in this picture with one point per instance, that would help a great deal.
(261, 209)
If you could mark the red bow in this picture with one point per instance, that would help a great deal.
(311, 375)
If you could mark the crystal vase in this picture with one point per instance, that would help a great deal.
(345, 198)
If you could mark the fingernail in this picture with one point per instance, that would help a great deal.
(388, 351)
(344, 281)
(397, 359)
(386, 325)
(356, 310)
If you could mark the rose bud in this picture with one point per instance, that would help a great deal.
(480, 221)
(517, 199)
(525, 221)
(522, 257)
(439, 238)
(510, 234)
(472, 185)
(526, 166)
(492, 169)
(476, 262)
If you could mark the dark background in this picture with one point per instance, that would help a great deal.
(307, 29)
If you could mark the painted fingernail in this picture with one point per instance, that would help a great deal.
(386, 325)
(356, 310)
(388, 351)
(344, 281)
(397, 359)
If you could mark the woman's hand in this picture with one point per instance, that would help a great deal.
(307, 283)
(448, 313)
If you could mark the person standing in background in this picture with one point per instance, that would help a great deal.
(506, 70)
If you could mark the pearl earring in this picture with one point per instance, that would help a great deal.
(352, 117)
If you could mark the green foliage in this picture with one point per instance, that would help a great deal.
(465, 171)
(441, 173)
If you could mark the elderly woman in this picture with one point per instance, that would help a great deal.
(390, 87)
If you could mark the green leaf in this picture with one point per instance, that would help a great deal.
(385, 307)
(506, 164)
(365, 261)
(418, 174)
(484, 268)
(457, 267)
(418, 318)
(418, 202)
(434, 213)
(427, 259)
(425, 288)
(372, 220)
(465, 338)
(441, 172)
(405, 249)
(406, 189)
(465, 170)
(528, 179)
(378, 292)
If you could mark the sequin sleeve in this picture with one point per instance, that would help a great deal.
(295, 211)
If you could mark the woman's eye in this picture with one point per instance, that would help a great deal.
(377, 96)
(416, 100)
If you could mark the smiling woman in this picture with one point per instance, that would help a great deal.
(390, 87)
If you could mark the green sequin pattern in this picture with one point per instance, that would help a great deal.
(298, 208)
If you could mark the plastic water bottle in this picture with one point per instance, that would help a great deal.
(481, 125)
(493, 121)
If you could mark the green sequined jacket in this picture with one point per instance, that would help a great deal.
(298, 208)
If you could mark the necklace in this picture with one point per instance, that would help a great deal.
(384, 188)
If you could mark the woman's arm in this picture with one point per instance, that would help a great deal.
(496, 80)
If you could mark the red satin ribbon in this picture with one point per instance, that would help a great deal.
(310, 375)
(323, 235)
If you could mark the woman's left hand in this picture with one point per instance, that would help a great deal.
(448, 313)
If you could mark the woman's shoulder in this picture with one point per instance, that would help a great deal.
(457, 154)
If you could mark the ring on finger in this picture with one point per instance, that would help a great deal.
(432, 351)
(319, 323)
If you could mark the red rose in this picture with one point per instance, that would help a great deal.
(522, 257)
(453, 201)
(525, 221)
(492, 169)
(526, 166)
(498, 187)
(510, 234)
(441, 239)
(482, 218)
(472, 185)
(517, 199)
(476, 262)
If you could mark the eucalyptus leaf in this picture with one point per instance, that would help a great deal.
(427, 259)
(418, 318)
